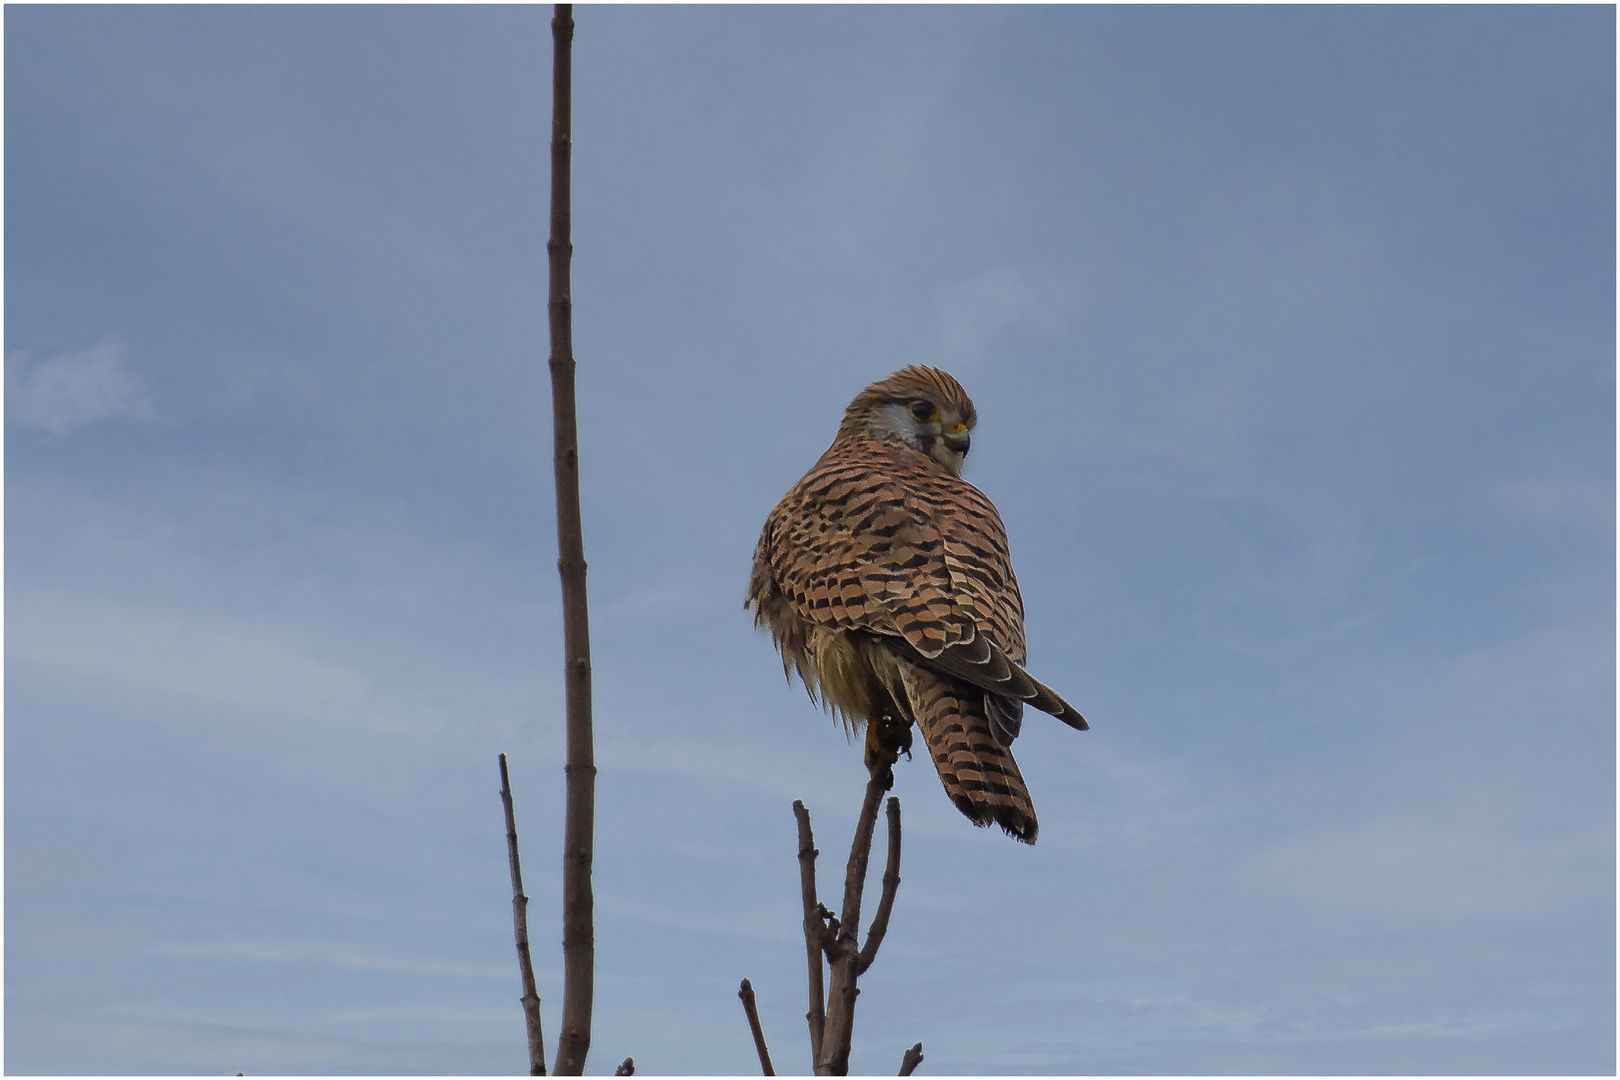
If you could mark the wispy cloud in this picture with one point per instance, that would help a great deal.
(1456, 821)
(1556, 503)
(970, 313)
(73, 390)
(213, 663)
(336, 954)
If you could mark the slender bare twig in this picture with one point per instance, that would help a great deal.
(844, 957)
(627, 1067)
(859, 853)
(751, 1007)
(913, 1058)
(891, 882)
(579, 945)
(520, 924)
(837, 937)
(814, 929)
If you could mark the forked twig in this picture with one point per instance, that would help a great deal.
(627, 1067)
(837, 937)
(913, 1058)
(751, 1007)
(844, 956)
(520, 925)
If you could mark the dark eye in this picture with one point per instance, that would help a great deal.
(922, 410)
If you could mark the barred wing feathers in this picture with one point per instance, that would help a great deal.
(876, 537)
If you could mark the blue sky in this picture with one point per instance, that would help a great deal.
(1291, 332)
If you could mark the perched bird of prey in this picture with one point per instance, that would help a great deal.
(884, 580)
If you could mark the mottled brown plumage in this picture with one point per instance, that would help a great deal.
(884, 580)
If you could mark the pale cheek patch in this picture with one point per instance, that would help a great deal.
(894, 421)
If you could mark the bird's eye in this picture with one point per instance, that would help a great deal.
(922, 410)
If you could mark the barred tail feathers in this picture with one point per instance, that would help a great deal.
(978, 772)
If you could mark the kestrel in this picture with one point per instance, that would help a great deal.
(884, 580)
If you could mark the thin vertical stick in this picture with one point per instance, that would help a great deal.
(579, 944)
(520, 924)
(891, 882)
(751, 1008)
(813, 930)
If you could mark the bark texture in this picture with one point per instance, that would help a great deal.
(579, 935)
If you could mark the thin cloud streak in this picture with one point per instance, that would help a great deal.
(71, 390)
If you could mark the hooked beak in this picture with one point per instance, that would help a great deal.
(958, 439)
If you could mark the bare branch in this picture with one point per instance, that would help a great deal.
(844, 957)
(832, 1018)
(627, 1067)
(913, 1058)
(891, 882)
(859, 853)
(751, 1007)
(579, 944)
(520, 925)
(814, 929)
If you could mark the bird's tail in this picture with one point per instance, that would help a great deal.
(979, 773)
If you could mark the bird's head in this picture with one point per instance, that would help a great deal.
(922, 407)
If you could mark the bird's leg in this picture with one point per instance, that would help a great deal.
(886, 739)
